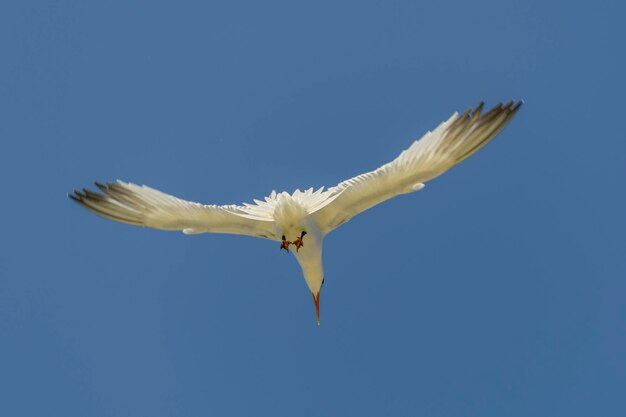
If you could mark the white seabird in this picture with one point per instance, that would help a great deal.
(303, 218)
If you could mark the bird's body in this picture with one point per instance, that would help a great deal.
(300, 220)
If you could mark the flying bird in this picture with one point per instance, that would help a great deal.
(299, 221)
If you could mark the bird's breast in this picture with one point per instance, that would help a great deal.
(290, 216)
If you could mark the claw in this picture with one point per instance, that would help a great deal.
(298, 243)
(285, 244)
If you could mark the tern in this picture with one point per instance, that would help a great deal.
(300, 220)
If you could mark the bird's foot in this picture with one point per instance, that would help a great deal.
(298, 243)
(285, 244)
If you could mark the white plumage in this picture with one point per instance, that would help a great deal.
(284, 217)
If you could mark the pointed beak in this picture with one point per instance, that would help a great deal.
(316, 300)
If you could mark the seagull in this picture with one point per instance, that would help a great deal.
(300, 220)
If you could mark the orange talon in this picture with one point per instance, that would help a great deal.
(285, 244)
(298, 243)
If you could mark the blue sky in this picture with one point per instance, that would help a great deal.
(498, 290)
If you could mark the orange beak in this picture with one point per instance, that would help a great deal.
(316, 300)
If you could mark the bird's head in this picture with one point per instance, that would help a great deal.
(309, 257)
(314, 276)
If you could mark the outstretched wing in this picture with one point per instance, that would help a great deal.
(145, 206)
(436, 152)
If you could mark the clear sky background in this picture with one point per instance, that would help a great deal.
(498, 290)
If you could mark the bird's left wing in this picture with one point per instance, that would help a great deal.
(144, 206)
(436, 152)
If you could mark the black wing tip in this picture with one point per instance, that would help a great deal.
(511, 107)
(512, 104)
(85, 194)
(517, 105)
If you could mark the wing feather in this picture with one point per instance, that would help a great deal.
(436, 152)
(144, 206)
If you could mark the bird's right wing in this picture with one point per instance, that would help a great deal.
(145, 206)
(451, 142)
